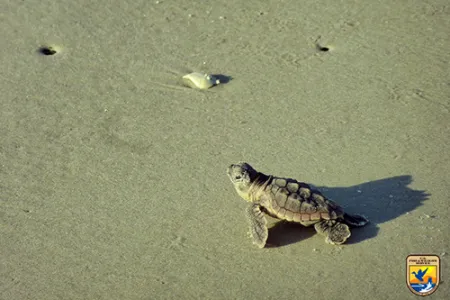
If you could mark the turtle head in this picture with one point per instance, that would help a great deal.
(242, 175)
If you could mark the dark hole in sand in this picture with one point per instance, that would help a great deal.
(47, 51)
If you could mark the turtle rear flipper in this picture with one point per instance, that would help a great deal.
(258, 225)
(355, 220)
(336, 233)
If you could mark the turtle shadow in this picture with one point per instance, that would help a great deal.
(284, 233)
(379, 200)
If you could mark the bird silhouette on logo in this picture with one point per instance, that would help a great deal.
(420, 274)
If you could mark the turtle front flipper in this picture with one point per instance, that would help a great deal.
(336, 233)
(258, 225)
(355, 220)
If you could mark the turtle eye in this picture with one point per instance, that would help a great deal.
(238, 177)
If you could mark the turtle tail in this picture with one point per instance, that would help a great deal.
(355, 220)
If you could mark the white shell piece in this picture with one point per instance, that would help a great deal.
(200, 81)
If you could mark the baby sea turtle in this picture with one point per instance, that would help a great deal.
(290, 200)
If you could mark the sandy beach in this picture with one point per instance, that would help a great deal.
(113, 177)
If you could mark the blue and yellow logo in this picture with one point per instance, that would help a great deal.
(423, 273)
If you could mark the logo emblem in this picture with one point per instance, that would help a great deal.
(422, 273)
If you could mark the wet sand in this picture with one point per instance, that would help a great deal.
(113, 175)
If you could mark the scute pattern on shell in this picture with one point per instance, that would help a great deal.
(295, 201)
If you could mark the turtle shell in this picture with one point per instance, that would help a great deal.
(294, 201)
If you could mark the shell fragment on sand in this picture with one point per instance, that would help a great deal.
(200, 81)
